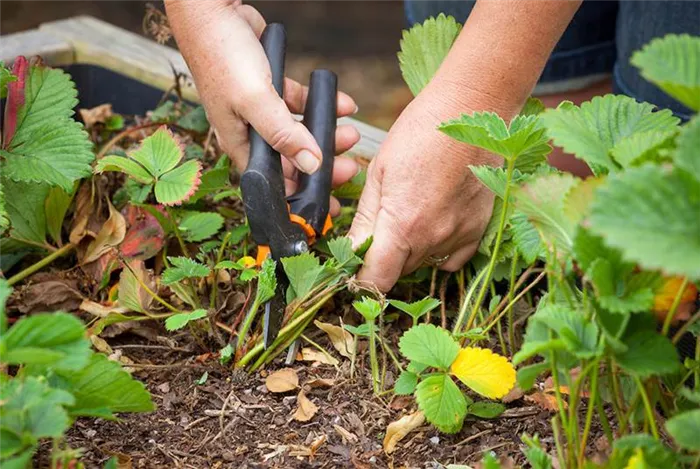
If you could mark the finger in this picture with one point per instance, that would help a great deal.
(269, 116)
(344, 169)
(386, 257)
(367, 209)
(253, 18)
(459, 258)
(334, 209)
(346, 136)
(295, 96)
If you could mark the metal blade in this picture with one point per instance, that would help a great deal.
(274, 309)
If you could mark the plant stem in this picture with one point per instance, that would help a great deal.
(245, 325)
(391, 354)
(465, 304)
(497, 245)
(320, 349)
(293, 324)
(509, 309)
(515, 300)
(153, 295)
(373, 358)
(647, 407)
(41, 264)
(215, 283)
(613, 385)
(557, 441)
(180, 241)
(674, 306)
(433, 279)
(589, 412)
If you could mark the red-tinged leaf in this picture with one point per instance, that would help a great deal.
(15, 99)
(145, 236)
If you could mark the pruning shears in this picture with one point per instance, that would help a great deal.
(286, 226)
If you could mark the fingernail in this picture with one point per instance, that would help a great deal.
(307, 162)
(357, 109)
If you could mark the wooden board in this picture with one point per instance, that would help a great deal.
(87, 40)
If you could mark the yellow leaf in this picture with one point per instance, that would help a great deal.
(282, 380)
(342, 340)
(306, 409)
(396, 431)
(248, 262)
(664, 297)
(484, 372)
(637, 460)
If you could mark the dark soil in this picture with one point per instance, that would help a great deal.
(258, 431)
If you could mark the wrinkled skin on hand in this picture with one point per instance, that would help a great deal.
(420, 198)
(220, 40)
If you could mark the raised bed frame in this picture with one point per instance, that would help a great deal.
(110, 64)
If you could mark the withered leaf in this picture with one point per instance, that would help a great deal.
(397, 430)
(313, 355)
(144, 237)
(305, 408)
(341, 339)
(283, 380)
(110, 235)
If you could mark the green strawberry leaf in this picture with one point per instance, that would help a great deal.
(56, 339)
(442, 402)
(56, 206)
(369, 308)
(648, 353)
(542, 201)
(685, 428)
(406, 383)
(183, 268)
(125, 165)
(641, 147)
(633, 297)
(42, 142)
(102, 388)
(341, 250)
(198, 226)
(487, 130)
(430, 345)
(304, 272)
(176, 186)
(424, 47)
(178, 321)
(578, 334)
(592, 131)
(25, 210)
(673, 64)
(486, 410)
(267, 282)
(6, 77)
(688, 142)
(650, 215)
(158, 153)
(417, 309)
(525, 237)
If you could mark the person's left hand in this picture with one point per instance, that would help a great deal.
(420, 198)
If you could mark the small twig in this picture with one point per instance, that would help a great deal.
(471, 438)
(154, 347)
(433, 281)
(443, 300)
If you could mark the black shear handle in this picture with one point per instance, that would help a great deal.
(311, 201)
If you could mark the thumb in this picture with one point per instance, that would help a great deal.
(270, 117)
(370, 201)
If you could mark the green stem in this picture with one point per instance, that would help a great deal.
(215, 283)
(647, 407)
(245, 325)
(152, 294)
(515, 300)
(473, 285)
(557, 391)
(604, 422)
(320, 349)
(497, 245)
(299, 319)
(373, 358)
(589, 412)
(509, 309)
(557, 441)
(674, 307)
(286, 342)
(41, 264)
(391, 355)
(180, 241)
(613, 385)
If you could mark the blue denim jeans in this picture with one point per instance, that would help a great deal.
(599, 42)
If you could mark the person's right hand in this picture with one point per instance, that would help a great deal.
(219, 39)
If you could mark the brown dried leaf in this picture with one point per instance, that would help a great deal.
(397, 430)
(110, 235)
(514, 394)
(313, 355)
(100, 310)
(544, 400)
(98, 114)
(341, 339)
(49, 295)
(84, 205)
(305, 408)
(320, 383)
(283, 380)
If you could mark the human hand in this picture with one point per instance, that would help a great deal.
(219, 39)
(420, 198)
